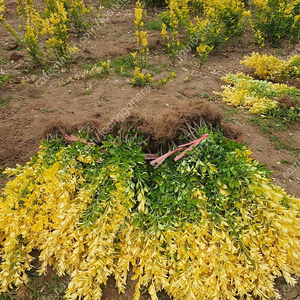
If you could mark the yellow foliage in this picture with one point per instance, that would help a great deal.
(141, 37)
(44, 206)
(265, 66)
(209, 265)
(255, 95)
(268, 66)
(275, 21)
(178, 13)
(164, 32)
(50, 22)
(217, 23)
(2, 8)
(105, 65)
(140, 78)
(261, 3)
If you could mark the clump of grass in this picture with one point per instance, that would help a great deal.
(276, 121)
(154, 25)
(123, 65)
(4, 102)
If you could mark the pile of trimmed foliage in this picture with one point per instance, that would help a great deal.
(271, 67)
(208, 225)
(259, 96)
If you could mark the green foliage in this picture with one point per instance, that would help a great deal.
(106, 3)
(213, 215)
(3, 78)
(216, 165)
(284, 114)
(277, 20)
(124, 63)
(8, 296)
(257, 95)
(154, 69)
(196, 7)
(154, 25)
(48, 24)
(79, 15)
(152, 3)
(276, 121)
(209, 24)
(232, 20)
(4, 101)
(164, 17)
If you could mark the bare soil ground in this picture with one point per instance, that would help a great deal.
(29, 112)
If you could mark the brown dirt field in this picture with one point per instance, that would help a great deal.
(33, 112)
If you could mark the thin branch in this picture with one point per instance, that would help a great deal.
(73, 138)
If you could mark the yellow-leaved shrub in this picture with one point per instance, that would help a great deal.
(47, 24)
(210, 225)
(271, 67)
(258, 96)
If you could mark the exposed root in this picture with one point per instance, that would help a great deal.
(285, 101)
(177, 126)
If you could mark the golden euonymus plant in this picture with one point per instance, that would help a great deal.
(170, 37)
(211, 24)
(140, 58)
(271, 67)
(47, 24)
(210, 225)
(258, 96)
(276, 20)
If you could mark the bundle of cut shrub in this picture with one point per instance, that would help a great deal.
(271, 67)
(259, 96)
(206, 223)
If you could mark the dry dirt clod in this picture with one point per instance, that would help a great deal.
(15, 56)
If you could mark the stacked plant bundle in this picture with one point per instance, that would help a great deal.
(271, 67)
(207, 223)
(258, 96)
